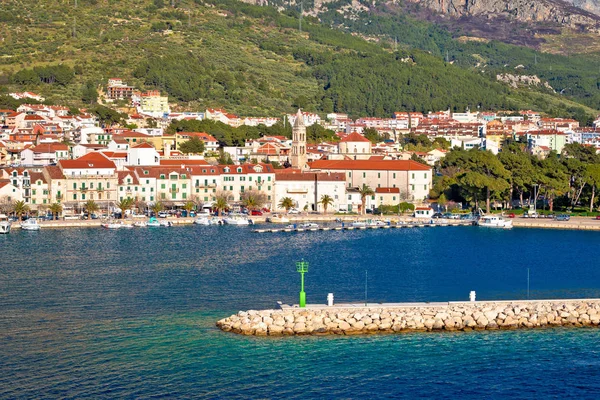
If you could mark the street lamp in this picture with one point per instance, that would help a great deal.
(535, 185)
(302, 267)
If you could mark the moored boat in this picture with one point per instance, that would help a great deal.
(111, 225)
(4, 224)
(309, 225)
(358, 224)
(153, 222)
(494, 221)
(140, 224)
(278, 219)
(237, 219)
(30, 224)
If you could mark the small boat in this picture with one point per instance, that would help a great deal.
(237, 219)
(30, 224)
(309, 225)
(165, 223)
(358, 224)
(204, 221)
(290, 226)
(111, 225)
(494, 221)
(278, 219)
(4, 224)
(124, 225)
(153, 222)
(140, 224)
(377, 223)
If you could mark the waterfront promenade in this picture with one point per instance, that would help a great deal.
(352, 319)
(575, 223)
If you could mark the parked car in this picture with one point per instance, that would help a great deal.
(511, 215)
(294, 211)
(266, 210)
(598, 217)
(162, 214)
(437, 215)
(256, 212)
(562, 217)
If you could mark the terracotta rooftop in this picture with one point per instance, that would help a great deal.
(369, 165)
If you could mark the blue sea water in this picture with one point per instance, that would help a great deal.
(89, 313)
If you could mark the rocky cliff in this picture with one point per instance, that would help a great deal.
(576, 14)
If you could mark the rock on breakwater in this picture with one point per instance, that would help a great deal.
(455, 316)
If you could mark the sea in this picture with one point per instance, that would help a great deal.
(106, 314)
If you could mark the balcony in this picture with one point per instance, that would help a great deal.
(202, 186)
(84, 189)
(172, 190)
(298, 190)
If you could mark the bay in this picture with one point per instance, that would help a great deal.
(90, 313)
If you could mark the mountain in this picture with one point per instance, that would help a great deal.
(254, 60)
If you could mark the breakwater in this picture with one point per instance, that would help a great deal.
(392, 318)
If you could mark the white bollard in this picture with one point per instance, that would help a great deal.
(330, 300)
(472, 295)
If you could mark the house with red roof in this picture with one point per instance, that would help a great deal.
(44, 154)
(9, 193)
(412, 178)
(307, 189)
(355, 146)
(211, 145)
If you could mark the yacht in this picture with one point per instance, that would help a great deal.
(377, 223)
(205, 221)
(494, 221)
(237, 219)
(124, 225)
(111, 225)
(4, 224)
(30, 224)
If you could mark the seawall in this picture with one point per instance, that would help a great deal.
(405, 317)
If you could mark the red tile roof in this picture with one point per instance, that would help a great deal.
(186, 162)
(143, 146)
(369, 165)
(309, 176)
(355, 137)
(50, 148)
(90, 160)
(54, 172)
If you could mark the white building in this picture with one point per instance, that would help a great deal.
(142, 154)
(307, 189)
(44, 154)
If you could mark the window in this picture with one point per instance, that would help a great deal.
(231, 188)
(394, 175)
(364, 174)
(184, 185)
(183, 176)
(269, 179)
(379, 175)
(268, 187)
(33, 192)
(121, 188)
(143, 189)
(74, 196)
(412, 187)
(162, 176)
(163, 186)
(413, 175)
(108, 185)
(83, 196)
(74, 185)
(147, 181)
(184, 195)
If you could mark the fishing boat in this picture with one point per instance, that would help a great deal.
(111, 225)
(494, 221)
(278, 219)
(377, 223)
(30, 224)
(4, 224)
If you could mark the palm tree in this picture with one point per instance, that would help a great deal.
(286, 203)
(253, 199)
(157, 207)
(189, 206)
(364, 192)
(55, 209)
(221, 202)
(20, 208)
(125, 205)
(326, 201)
(91, 207)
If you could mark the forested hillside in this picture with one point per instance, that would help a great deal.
(251, 60)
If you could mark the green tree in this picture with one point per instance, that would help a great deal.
(253, 199)
(372, 135)
(194, 146)
(224, 158)
(554, 178)
(593, 179)
(522, 171)
(442, 201)
(89, 94)
(189, 206)
(326, 201)
(221, 202)
(287, 203)
(364, 191)
(91, 207)
(20, 208)
(56, 209)
(157, 207)
(124, 205)
(404, 207)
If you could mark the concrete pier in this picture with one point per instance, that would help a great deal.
(358, 318)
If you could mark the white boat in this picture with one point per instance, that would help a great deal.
(30, 224)
(140, 224)
(111, 225)
(124, 225)
(278, 219)
(165, 223)
(4, 224)
(237, 219)
(204, 221)
(309, 225)
(153, 222)
(494, 221)
(377, 223)
(358, 224)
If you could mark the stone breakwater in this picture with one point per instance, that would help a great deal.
(338, 320)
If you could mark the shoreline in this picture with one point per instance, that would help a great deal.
(575, 223)
(358, 319)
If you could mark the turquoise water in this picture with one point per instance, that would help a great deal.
(91, 313)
